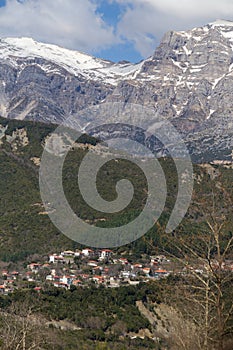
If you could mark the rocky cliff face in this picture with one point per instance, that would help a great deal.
(48, 83)
(188, 80)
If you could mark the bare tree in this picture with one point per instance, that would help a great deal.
(205, 288)
(21, 329)
(202, 288)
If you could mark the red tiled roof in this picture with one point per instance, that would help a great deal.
(76, 282)
(161, 271)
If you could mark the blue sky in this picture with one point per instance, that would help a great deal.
(111, 13)
(112, 29)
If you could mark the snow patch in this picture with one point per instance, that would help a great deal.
(221, 23)
(210, 114)
(188, 52)
(166, 78)
(198, 38)
(177, 109)
(195, 70)
(216, 81)
(178, 64)
(189, 85)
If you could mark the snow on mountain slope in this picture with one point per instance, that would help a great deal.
(74, 62)
(221, 23)
(188, 80)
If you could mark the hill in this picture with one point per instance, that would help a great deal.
(25, 228)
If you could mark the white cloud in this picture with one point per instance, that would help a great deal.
(77, 24)
(70, 23)
(145, 21)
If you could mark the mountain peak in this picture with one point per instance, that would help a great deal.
(188, 81)
(221, 23)
(74, 62)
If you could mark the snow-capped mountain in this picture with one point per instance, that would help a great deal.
(188, 79)
(74, 62)
(46, 82)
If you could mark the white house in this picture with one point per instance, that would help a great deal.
(49, 278)
(68, 253)
(87, 252)
(92, 263)
(55, 259)
(66, 280)
(77, 253)
(105, 254)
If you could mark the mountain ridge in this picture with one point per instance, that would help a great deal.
(75, 62)
(188, 81)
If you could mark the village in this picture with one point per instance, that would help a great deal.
(87, 267)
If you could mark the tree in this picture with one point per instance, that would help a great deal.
(20, 328)
(204, 292)
(201, 248)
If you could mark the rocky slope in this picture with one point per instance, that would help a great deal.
(48, 83)
(188, 80)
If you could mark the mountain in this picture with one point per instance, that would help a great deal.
(25, 227)
(188, 80)
(47, 83)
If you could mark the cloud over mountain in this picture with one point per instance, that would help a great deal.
(70, 23)
(145, 21)
(79, 24)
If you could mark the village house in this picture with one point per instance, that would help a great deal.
(161, 273)
(84, 276)
(53, 259)
(29, 276)
(92, 263)
(87, 252)
(49, 278)
(136, 267)
(105, 254)
(98, 279)
(114, 282)
(60, 285)
(67, 280)
(34, 267)
(76, 283)
(123, 261)
(77, 253)
(146, 271)
(68, 253)
(14, 274)
(2, 289)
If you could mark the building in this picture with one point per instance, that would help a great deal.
(53, 259)
(88, 252)
(105, 254)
